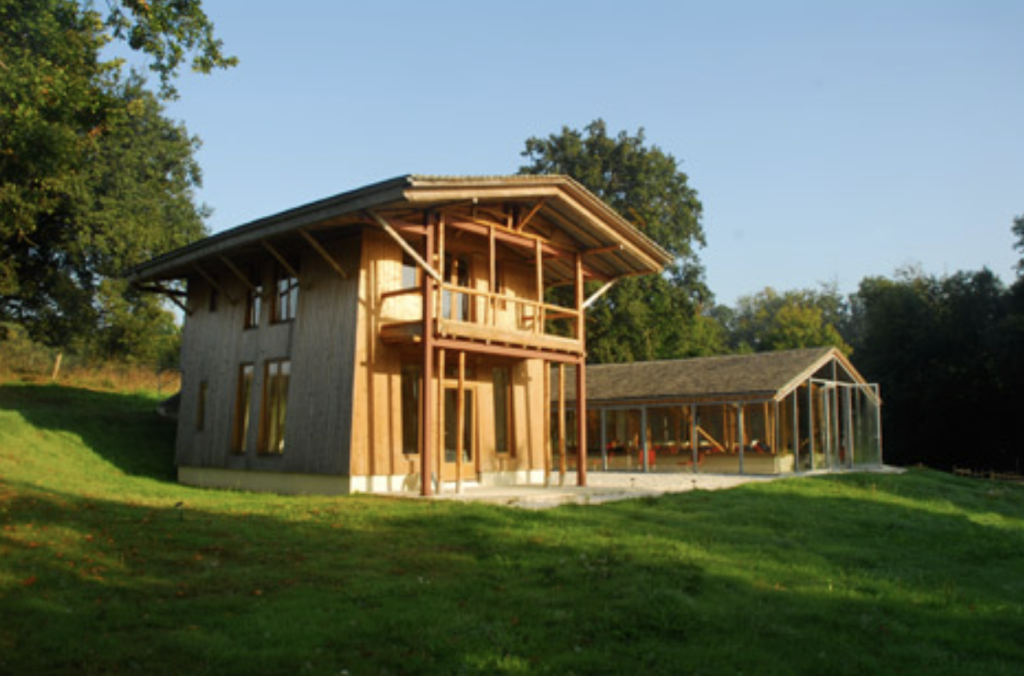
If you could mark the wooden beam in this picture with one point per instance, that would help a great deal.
(406, 247)
(581, 381)
(160, 288)
(505, 351)
(238, 273)
(319, 248)
(426, 452)
(460, 421)
(597, 294)
(525, 220)
(603, 249)
(441, 354)
(213, 282)
(280, 258)
(561, 424)
(546, 424)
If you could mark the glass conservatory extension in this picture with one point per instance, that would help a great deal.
(766, 413)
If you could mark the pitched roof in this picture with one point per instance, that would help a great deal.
(562, 201)
(759, 376)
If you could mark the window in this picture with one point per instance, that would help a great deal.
(454, 304)
(502, 409)
(253, 306)
(214, 297)
(243, 397)
(411, 383)
(201, 406)
(275, 405)
(286, 300)
(410, 272)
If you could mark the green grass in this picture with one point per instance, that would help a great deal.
(101, 572)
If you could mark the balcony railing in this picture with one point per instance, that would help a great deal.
(476, 315)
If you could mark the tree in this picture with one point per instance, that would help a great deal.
(933, 345)
(795, 319)
(93, 178)
(652, 317)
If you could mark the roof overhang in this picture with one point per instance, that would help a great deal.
(582, 218)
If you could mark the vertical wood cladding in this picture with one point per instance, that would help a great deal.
(319, 343)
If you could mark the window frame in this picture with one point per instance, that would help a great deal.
(285, 307)
(504, 410)
(274, 406)
(412, 378)
(243, 406)
(202, 395)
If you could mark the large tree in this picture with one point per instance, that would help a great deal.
(652, 317)
(933, 343)
(769, 320)
(93, 177)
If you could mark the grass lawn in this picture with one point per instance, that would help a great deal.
(109, 567)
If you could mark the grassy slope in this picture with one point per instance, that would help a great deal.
(855, 574)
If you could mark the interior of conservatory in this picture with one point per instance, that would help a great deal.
(765, 413)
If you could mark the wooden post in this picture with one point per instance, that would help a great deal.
(795, 429)
(739, 434)
(581, 381)
(694, 438)
(561, 424)
(492, 285)
(645, 457)
(538, 256)
(426, 452)
(460, 421)
(440, 417)
(546, 424)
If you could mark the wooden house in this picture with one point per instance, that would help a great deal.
(396, 337)
(765, 413)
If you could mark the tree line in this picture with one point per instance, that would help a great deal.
(94, 178)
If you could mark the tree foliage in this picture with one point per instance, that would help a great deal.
(93, 176)
(938, 347)
(652, 317)
(769, 320)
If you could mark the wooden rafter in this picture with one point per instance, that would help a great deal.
(600, 292)
(214, 283)
(173, 295)
(525, 220)
(238, 273)
(280, 258)
(386, 227)
(319, 248)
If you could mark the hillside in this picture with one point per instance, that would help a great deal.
(108, 566)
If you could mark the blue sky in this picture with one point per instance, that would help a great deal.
(828, 140)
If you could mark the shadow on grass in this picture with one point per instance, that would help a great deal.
(369, 585)
(122, 429)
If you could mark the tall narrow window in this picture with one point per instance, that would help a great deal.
(243, 397)
(286, 300)
(411, 383)
(410, 272)
(454, 304)
(275, 406)
(502, 409)
(253, 306)
(201, 406)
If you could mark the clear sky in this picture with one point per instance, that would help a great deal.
(828, 140)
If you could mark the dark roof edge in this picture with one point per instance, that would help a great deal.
(369, 196)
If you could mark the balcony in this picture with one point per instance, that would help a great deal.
(477, 316)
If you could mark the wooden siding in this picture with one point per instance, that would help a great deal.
(320, 345)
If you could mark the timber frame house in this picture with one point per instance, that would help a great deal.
(397, 337)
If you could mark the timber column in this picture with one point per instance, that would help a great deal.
(427, 388)
(581, 380)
